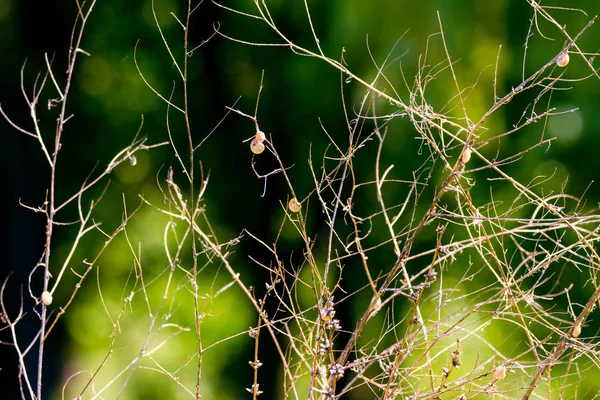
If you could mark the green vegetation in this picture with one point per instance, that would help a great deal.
(268, 199)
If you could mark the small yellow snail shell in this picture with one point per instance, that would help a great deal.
(294, 205)
(576, 330)
(256, 146)
(563, 59)
(260, 136)
(465, 156)
(46, 298)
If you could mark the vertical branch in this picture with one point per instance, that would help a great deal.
(193, 201)
(50, 214)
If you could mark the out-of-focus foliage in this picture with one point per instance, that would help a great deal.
(301, 98)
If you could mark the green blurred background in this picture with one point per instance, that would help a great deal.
(108, 101)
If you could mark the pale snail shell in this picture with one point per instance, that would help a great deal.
(46, 298)
(499, 373)
(576, 330)
(257, 146)
(465, 156)
(563, 59)
(294, 205)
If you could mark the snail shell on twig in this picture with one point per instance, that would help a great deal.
(294, 205)
(576, 330)
(260, 136)
(563, 59)
(465, 156)
(499, 373)
(46, 298)
(257, 146)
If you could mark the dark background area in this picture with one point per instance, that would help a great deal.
(109, 98)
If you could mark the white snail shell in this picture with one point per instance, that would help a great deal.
(465, 156)
(46, 298)
(563, 59)
(256, 146)
(294, 205)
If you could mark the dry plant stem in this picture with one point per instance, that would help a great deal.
(451, 177)
(509, 294)
(380, 180)
(190, 215)
(191, 189)
(145, 351)
(172, 266)
(189, 170)
(123, 156)
(572, 41)
(82, 231)
(110, 350)
(480, 239)
(505, 280)
(502, 101)
(50, 207)
(216, 249)
(336, 64)
(451, 65)
(371, 87)
(73, 52)
(36, 135)
(12, 324)
(185, 215)
(562, 345)
(110, 238)
(324, 291)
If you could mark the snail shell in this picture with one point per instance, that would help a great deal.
(46, 298)
(257, 146)
(294, 205)
(563, 59)
(465, 156)
(260, 136)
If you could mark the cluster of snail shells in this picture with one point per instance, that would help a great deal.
(257, 146)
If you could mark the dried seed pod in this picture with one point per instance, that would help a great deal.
(499, 373)
(260, 136)
(465, 156)
(563, 59)
(46, 298)
(257, 146)
(294, 205)
(576, 330)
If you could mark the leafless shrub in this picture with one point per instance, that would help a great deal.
(421, 333)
